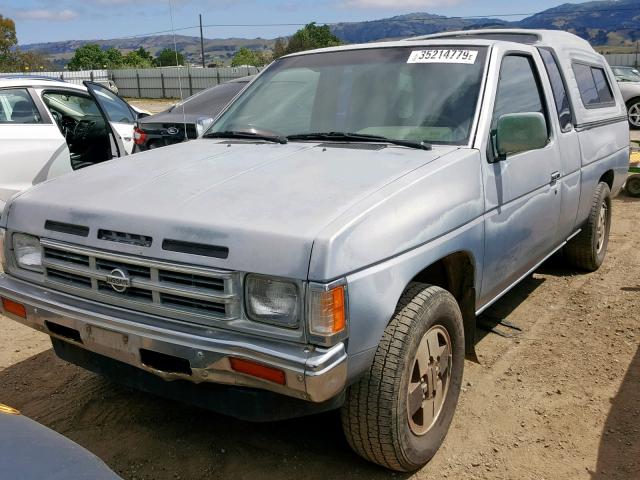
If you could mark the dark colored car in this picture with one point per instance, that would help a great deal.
(29, 451)
(195, 113)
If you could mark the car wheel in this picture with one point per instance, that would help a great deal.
(588, 249)
(633, 186)
(633, 108)
(399, 413)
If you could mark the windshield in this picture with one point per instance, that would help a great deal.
(211, 100)
(401, 93)
(627, 74)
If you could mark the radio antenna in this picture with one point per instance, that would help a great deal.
(175, 49)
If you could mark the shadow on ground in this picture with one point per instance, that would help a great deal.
(619, 451)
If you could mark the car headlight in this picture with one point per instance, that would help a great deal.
(272, 300)
(27, 251)
(2, 257)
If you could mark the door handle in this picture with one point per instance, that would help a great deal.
(555, 176)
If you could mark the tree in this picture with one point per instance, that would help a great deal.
(144, 55)
(167, 58)
(113, 58)
(88, 57)
(8, 41)
(307, 38)
(280, 48)
(253, 58)
(33, 62)
(135, 60)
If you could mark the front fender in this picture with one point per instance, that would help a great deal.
(426, 204)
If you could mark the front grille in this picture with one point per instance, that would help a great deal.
(124, 237)
(187, 293)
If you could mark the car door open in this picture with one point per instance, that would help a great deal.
(118, 113)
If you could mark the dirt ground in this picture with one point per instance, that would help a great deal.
(559, 401)
(152, 105)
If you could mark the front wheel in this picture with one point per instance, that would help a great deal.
(588, 249)
(399, 413)
(633, 109)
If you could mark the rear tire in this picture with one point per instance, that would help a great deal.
(588, 249)
(426, 335)
(633, 186)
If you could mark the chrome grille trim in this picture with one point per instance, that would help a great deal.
(182, 292)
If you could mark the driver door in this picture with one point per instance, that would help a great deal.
(118, 113)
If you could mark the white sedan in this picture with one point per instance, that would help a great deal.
(49, 127)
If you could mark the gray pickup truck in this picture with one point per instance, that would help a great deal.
(331, 239)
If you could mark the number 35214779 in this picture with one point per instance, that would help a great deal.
(443, 56)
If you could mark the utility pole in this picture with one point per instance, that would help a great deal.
(201, 42)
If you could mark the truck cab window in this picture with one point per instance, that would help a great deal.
(518, 90)
(559, 89)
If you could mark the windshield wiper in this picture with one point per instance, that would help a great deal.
(359, 137)
(247, 135)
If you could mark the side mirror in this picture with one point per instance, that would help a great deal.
(140, 115)
(521, 132)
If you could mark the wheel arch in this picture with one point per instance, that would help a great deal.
(632, 100)
(456, 273)
(607, 177)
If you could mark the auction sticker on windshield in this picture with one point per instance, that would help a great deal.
(443, 56)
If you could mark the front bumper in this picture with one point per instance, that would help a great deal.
(311, 373)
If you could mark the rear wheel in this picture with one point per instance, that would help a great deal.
(399, 413)
(588, 249)
(633, 186)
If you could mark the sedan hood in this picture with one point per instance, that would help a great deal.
(264, 202)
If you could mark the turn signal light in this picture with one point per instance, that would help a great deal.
(258, 370)
(15, 308)
(327, 314)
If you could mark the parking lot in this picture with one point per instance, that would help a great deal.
(560, 400)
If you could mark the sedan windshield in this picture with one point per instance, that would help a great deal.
(626, 74)
(401, 93)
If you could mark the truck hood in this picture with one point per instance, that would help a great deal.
(264, 202)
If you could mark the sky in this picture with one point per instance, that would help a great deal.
(48, 21)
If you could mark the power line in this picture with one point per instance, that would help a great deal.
(413, 20)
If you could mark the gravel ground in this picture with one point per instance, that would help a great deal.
(152, 105)
(559, 401)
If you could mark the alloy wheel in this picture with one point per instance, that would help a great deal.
(429, 381)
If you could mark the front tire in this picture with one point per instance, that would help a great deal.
(399, 413)
(633, 109)
(588, 249)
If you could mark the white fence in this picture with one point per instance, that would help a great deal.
(167, 82)
(170, 82)
(622, 59)
(72, 77)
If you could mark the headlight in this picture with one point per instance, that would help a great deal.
(270, 300)
(2, 257)
(327, 310)
(27, 251)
